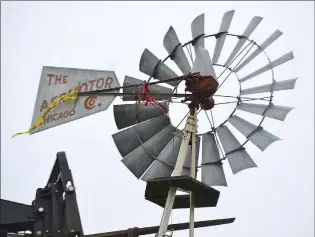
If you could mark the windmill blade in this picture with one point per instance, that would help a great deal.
(128, 140)
(203, 64)
(156, 89)
(157, 170)
(272, 111)
(212, 172)
(173, 47)
(236, 155)
(285, 58)
(272, 38)
(166, 160)
(248, 31)
(276, 86)
(139, 160)
(198, 31)
(224, 28)
(152, 66)
(125, 114)
(257, 135)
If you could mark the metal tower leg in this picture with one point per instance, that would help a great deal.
(193, 175)
(190, 129)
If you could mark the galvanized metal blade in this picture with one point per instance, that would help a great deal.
(166, 160)
(125, 114)
(139, 160)
(174, 48)
(257, 135)
(212, 172)
(272, 38)
(198, 31)
(157, 170)
(203, 63)
(285, 58)
(129, 139)
(272, 111)
(155, 89)
(248, 31)
(152, 66)
(236, 155)
(224, 28)
(277, 86)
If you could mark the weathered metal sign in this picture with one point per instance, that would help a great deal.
(57, 81)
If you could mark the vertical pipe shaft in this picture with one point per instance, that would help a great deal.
(189, 129)
(193, 175)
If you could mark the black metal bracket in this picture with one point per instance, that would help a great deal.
(54, 211)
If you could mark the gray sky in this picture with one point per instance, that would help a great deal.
(274, 200)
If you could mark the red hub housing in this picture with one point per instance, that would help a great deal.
(202, 89)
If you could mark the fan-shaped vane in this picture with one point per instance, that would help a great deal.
(155, 149)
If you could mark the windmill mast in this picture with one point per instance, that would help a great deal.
(193, 175)
(189, 135)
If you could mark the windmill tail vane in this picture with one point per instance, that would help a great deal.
(192, 85)
(152, 148)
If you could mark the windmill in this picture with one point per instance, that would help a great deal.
(154, 149)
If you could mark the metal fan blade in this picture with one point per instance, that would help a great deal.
(125, 114)
(237, 156)
(156, 89)
(212, 172)
(152, 66)
(157, 170)
(285, 58)
(275, 35)
(224, 28)
(169, 155)
(203, 63)
(277, 86)
(139, 160)
(198, 31)
(272, 111)
(257, 135)
(174, 48)
(131, 138)
(248, 31)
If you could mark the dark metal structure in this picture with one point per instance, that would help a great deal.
(55, 212)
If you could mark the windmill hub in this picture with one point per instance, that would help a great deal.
(202, 89)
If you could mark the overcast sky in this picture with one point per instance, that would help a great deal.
(276, 199)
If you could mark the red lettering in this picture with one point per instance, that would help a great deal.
(44, 105)
(65, 79)
(65, 114)
(92, 83)
(80, 87)
(108, 83)
(54, 117)
(98, 86)
(50, 77)
(72, 112)
(57, 116)
(58, 79)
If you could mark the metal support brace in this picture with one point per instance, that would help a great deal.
(189, 130)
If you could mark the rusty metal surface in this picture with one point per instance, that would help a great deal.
(56, 80)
